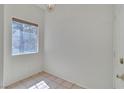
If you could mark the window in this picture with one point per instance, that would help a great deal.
(24, 37)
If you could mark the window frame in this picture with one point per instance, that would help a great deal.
(24, 22)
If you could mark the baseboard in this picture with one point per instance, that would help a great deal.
(66, 79)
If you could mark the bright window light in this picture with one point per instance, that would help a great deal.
(40, 85)
(24, 37)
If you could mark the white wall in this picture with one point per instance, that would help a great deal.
(1, 44)
(119, 44)
(78, 44)
(20, 67)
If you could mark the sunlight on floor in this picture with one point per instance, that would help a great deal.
(40, 85)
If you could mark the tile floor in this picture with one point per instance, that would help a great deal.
(43, 80)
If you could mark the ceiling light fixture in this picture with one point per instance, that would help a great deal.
(51, 7)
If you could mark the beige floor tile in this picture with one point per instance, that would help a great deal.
(59, 81)
(30, 83)
(74, 86)
(47, 81)
(51, 77)
(45, 74)
(37, 80)
(67, 84)
(52, 81)
(19, 86)
(14, 85)
(53, 85)
(40, 78)
(61, 87)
